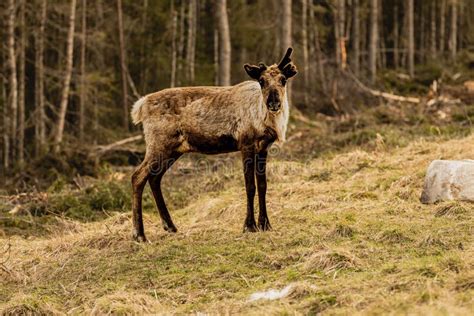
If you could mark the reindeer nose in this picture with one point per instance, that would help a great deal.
(273, 101)
(274, 105)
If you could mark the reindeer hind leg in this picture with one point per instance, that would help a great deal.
(139, 179)
(160, 166)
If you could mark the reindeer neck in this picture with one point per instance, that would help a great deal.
(279, 121)
(254, 113)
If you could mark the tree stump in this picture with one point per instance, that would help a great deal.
(449, 180)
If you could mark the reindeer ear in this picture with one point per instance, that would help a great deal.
(289, 70)
(253, 71)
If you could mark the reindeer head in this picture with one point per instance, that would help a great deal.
(273, 79)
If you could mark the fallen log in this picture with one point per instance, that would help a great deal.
(442, 100)
(296, 114)
(385, 95)
(102, 149)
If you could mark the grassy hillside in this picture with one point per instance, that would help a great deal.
(349, 235)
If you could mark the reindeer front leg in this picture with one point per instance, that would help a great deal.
(263, 221)
(248, 159)
(261, 173)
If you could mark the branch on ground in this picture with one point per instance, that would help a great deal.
(385, 95)
(102, 149)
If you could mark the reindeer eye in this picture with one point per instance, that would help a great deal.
(283, 81)
(261, 82)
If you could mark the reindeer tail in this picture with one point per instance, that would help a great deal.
(137, 112)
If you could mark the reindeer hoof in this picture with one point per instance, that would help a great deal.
(139, 237)
(250, 228)
(264, 225)
(170, 228)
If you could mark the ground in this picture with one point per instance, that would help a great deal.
(349, 235)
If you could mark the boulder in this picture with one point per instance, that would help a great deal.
(449, 180)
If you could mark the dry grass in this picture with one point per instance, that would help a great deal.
(348, 230)
(330, 261)
(451, 209)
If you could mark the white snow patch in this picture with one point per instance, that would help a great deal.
(271, 294)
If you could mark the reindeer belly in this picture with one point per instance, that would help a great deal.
(209, 131)
(210, 144)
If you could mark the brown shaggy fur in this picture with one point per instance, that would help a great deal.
(247, 117)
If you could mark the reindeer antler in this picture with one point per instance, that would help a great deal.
(286, 59)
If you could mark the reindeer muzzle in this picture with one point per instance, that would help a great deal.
(273, 102)
(274, 106)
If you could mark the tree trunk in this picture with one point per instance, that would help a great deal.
(318, 51)
(442, 26)
(411, 37)
(6, 123)
(190, 49)
(460, 22)
(356, 37)
(404, 38)
(286, 24)
(216, 57)
(421, 29)
(454, 29)
(337, 34)
(373, 39)
(224, 43)
(340, 33)
(312, 66)
(243, 54)
(243, 58)
(40, 122)
(193, 46)
(144, 41)
(13, 84)
(182, 18)
(123, 65)
(67, 79)
(174, 24)
(286, 40)
(21, 87)
(433, 30)
(364, 39)
(278, 35)
(82, 85)
(396, 45)
(99, 25)
(304, 39)
(381, 51)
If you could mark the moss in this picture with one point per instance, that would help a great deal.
(88, 204)
(429, 72)
(107, 196)
(358, 138)
(322, 302)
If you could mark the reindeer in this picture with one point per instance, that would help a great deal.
(247, 117)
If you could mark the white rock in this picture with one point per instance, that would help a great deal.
(449, 180)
